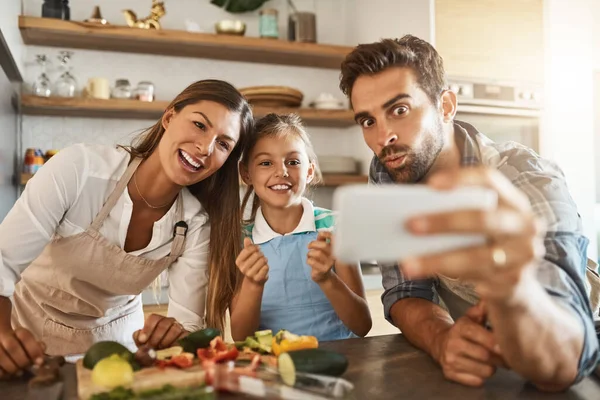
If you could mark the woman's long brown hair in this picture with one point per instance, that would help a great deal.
(219, 194)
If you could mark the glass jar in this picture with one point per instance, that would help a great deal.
(122, 89)
(144, 91)
(268, 25)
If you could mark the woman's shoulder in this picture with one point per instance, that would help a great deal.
(98, 161)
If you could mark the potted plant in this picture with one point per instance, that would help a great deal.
(239, 6)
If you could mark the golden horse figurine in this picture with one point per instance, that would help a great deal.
(150, 22)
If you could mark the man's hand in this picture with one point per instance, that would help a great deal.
(514, 236)
(468, 353)
(159, 332)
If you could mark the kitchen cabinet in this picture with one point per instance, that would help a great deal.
(491, 39)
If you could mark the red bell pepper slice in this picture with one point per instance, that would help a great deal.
(218, 351)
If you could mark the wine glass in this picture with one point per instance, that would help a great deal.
(66, 85)
(42, 86)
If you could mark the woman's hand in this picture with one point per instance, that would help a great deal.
(159, 332)
(252, 263)
(320, 258)
(19, 350)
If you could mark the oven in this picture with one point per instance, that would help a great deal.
(502, 111)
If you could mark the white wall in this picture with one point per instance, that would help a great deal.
(9, 25)
(8, 147)
(568, 118)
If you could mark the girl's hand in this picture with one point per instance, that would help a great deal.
(159, 332)
(320, 258)
(252, 263)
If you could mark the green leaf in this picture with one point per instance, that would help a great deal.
(218, 3)
(239, 6)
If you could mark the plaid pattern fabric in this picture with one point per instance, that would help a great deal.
(561, 272)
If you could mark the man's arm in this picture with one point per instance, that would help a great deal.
(423, 323)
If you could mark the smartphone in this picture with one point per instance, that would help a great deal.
(370, 220)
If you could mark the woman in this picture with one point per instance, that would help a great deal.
(97, 225)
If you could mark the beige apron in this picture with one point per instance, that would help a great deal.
(83, 289)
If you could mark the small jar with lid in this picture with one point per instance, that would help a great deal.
(122, 89)
(268, 25)
(145, 91)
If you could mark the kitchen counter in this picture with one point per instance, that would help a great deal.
(388, 367)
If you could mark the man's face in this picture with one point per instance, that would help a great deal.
(399, 122)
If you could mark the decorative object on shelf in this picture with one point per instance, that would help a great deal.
(42, 86)
(97, 88)
(239, 6)
(150, 22)
(229, 27)
(66, 85)
(144, 91)
(33, 161)
(327, 101)
(122, 89)
(302, 26)
(268, 25)
(96, 17)
(56, 9)
(273, 96)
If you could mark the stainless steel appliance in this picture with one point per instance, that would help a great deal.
(503, 111)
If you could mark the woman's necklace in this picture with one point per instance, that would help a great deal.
(145, 201)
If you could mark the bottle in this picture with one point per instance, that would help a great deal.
(268, 26)
(29, 161)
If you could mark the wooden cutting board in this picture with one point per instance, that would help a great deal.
(145, 379)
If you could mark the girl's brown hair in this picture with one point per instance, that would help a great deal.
(276, 125)
(219, 194)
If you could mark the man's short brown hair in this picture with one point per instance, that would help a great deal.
(408, 51)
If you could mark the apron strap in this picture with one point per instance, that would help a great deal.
(179, 231)
(116, 194)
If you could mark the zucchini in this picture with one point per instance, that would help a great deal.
(198, 340)
(311, 361)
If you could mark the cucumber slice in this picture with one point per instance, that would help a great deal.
(311, 361)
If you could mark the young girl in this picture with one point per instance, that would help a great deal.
(290, 279)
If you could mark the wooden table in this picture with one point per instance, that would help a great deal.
(387, 367)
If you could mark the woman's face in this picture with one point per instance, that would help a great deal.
(197, 141)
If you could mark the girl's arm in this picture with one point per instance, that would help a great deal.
(343, 288)
(245, 307)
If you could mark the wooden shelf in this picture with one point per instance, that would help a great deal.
(341, 179)
(134, 109)
(81, 35)
(24, 178)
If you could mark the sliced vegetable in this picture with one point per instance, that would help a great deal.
(183, 360)
(312, 361)
(112, 372)
(101, 350)
(218, 351)
(168, 353)
(167, 392)
(264, 337)
(198, 340)
(285, 341)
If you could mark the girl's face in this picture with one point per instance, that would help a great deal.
(197, 141)
(279, 170)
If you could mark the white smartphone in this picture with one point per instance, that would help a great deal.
(370, 221)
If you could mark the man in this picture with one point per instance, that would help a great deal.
(526, 283)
